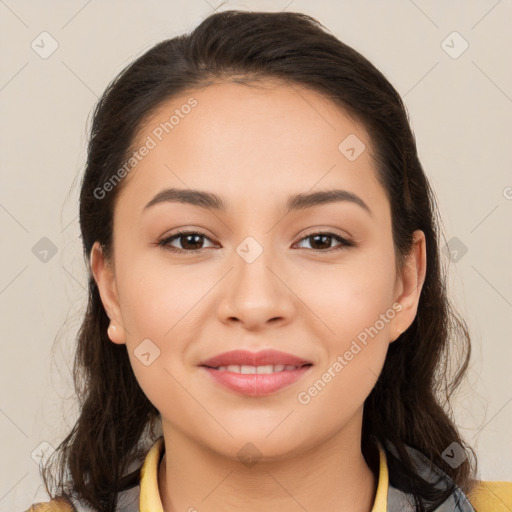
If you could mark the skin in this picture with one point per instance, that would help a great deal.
(254, 146)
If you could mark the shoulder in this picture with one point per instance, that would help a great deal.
(56, 505)
(491, 496)
(127, 500)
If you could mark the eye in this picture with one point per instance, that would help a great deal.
(325, 238)
(189, 241)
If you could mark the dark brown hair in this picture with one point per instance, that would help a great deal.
(410, 401)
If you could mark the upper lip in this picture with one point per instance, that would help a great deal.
(262, 358)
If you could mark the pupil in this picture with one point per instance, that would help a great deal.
(316, 237)
(187, 237)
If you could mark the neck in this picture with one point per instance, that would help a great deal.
(333, 476)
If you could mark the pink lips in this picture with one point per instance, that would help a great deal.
(257, 384)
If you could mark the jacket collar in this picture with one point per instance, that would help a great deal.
(399, 501)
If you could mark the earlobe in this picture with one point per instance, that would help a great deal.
(410, 284)
(105, 280)
(116, 334)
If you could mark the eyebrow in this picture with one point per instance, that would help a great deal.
(210, 201)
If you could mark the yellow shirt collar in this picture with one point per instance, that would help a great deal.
(150, 495)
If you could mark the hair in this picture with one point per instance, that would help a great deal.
(410, 402)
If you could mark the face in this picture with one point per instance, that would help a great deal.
(317, 282)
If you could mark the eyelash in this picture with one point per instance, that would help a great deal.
(344, 244)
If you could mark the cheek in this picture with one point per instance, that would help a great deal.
(157, 300)
(340, 388)
(347, 298)
(158, 308)
(354, 306)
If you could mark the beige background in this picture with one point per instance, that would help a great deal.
(460, 109)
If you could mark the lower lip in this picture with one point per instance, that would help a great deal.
(258, 384)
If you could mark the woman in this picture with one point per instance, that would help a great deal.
(268, 326)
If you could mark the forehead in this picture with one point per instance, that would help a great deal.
(258, 141)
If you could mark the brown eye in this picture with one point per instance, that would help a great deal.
(190, 241)
(321, 242)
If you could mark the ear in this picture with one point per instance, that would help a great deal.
(104, 276)
(409, 285)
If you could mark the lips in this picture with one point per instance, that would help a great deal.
(254, 359)
(256, 374)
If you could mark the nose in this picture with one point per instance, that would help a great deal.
(256, 294)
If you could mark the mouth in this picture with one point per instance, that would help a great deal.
(256, 381)
(255, 373)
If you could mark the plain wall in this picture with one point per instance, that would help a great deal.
(460, 110)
